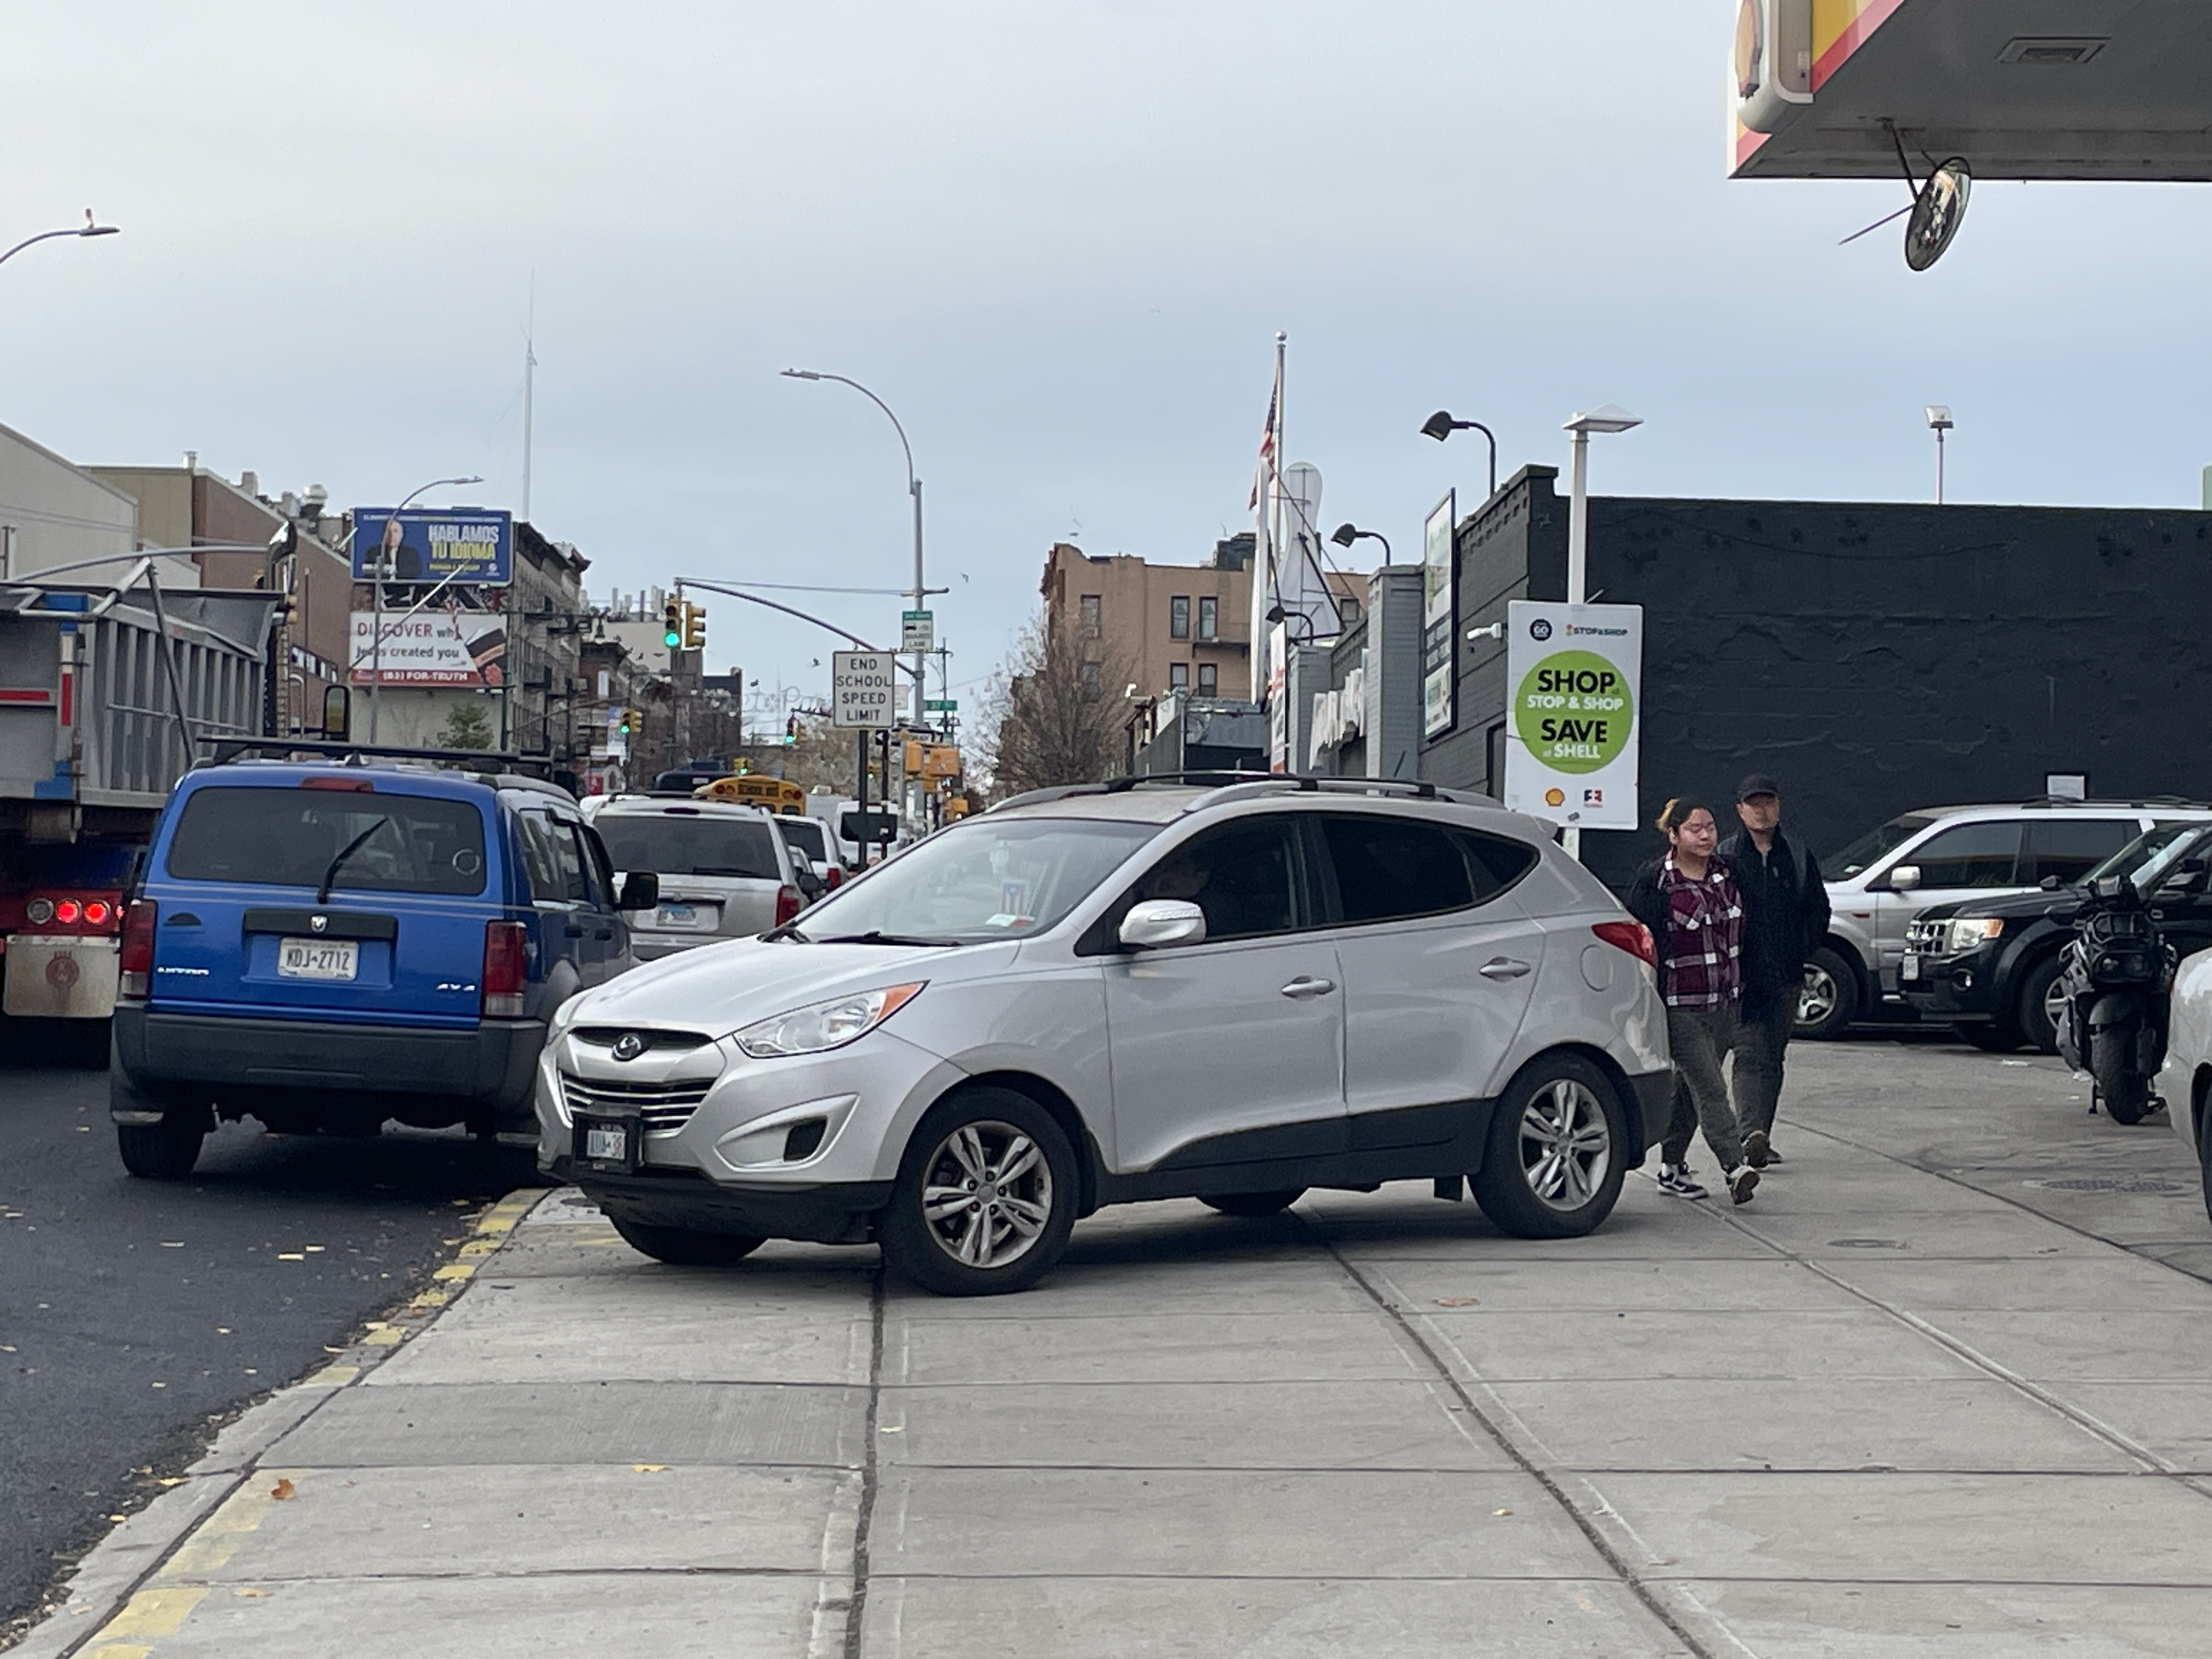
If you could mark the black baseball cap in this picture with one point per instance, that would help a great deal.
(1757, 784)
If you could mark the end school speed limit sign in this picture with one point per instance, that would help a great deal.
(1575, 676)
(863, 689)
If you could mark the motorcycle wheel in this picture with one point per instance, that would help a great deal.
(2126, 1093)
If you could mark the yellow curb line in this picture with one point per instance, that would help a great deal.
(153, 1612)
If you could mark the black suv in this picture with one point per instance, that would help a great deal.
(1989, 967)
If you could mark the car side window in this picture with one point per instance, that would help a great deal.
(1969, 855)
(2067, 848)
(549, 855)
(1387, 869)
(1246, 875)
(601, 866)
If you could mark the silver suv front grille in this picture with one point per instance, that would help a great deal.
(664, 1107)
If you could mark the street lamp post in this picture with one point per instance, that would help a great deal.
(1345, 534)
(88, 228)
(381, 571)
(1939, 423)
(1440, 425)
(1608, 417)
(914, 488)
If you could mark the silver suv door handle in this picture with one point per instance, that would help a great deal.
(1306, 986)
(1502, 968)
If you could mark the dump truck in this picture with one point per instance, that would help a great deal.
(108, 697)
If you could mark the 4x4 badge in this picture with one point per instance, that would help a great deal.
(317, 923)
(628, 1046)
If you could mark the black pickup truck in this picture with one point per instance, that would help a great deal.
(1988, 968)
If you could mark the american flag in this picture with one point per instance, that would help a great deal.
(1267, 449)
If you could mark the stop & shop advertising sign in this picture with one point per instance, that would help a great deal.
(1574, 675)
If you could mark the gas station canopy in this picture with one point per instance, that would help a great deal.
(2020, 88)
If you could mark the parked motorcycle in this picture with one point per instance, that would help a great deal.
(2116, 975)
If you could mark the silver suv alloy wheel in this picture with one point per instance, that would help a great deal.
(1566, 1145)
(986, 1194)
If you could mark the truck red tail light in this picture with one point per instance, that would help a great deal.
(68, 913)
(788, 903)
(506, 969)
(1632, 937)
(98, 913)
(135, 959)
(76, 912)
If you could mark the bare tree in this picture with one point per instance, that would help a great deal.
(1053, 713)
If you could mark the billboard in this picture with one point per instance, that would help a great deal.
(1577, 675)
(431, 647)
(1438, 606)
(431, 544)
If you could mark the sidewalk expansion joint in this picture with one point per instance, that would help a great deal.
(856, 1606)
(1630, 1580)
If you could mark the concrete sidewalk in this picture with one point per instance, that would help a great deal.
(1878, 1412)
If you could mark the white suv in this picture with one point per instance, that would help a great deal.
(1123, 992)
(1945, 855)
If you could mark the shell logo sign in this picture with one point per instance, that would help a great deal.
(1784, 50)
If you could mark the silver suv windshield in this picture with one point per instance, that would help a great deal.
(987, 879)
(1870, 848)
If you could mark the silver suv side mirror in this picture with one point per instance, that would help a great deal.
(1152, 923)
(1904, 878)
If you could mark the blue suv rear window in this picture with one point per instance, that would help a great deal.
(288, 837)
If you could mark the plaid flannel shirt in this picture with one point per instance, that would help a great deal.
(1703, 947)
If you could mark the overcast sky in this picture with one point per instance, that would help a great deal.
(1058, 237)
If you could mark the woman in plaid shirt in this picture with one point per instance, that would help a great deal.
(1696, 919)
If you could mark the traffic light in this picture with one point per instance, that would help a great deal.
(632, 718)
(790, 728)
(695, 628)
(672, 623)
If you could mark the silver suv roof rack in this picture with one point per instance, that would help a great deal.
(1220, 785)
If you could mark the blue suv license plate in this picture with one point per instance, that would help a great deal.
(614, 1144)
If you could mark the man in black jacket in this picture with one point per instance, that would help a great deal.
(1785, 906)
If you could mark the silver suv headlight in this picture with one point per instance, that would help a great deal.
(823, 1025)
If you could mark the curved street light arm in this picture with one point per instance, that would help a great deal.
(86, 230)
(841, 379)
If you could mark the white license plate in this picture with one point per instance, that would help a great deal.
(318, 958)
(683, 915)
(609, 1145)
(1909, 969)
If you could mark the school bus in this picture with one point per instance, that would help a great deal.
(776, 794)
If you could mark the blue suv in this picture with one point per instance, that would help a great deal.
(327, 944)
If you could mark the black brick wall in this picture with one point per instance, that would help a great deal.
(1874, 656)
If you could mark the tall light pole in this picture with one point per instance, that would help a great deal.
(88, 228)
(381, 574)
(1608, 417)
(1939, 423)
(914, 488)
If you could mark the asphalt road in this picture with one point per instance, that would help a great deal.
(132, 1313)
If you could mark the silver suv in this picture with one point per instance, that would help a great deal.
(1944, 856)
(726, 872)
(1116, 992)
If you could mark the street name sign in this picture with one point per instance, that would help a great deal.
(939, 705)
(1574, 675)
(863, 689)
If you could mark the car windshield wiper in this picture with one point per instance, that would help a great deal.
(330, 875)
(876, 936)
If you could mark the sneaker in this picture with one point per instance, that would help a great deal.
(1674, 1181)
(1741, 1180)
(1756, 1152)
